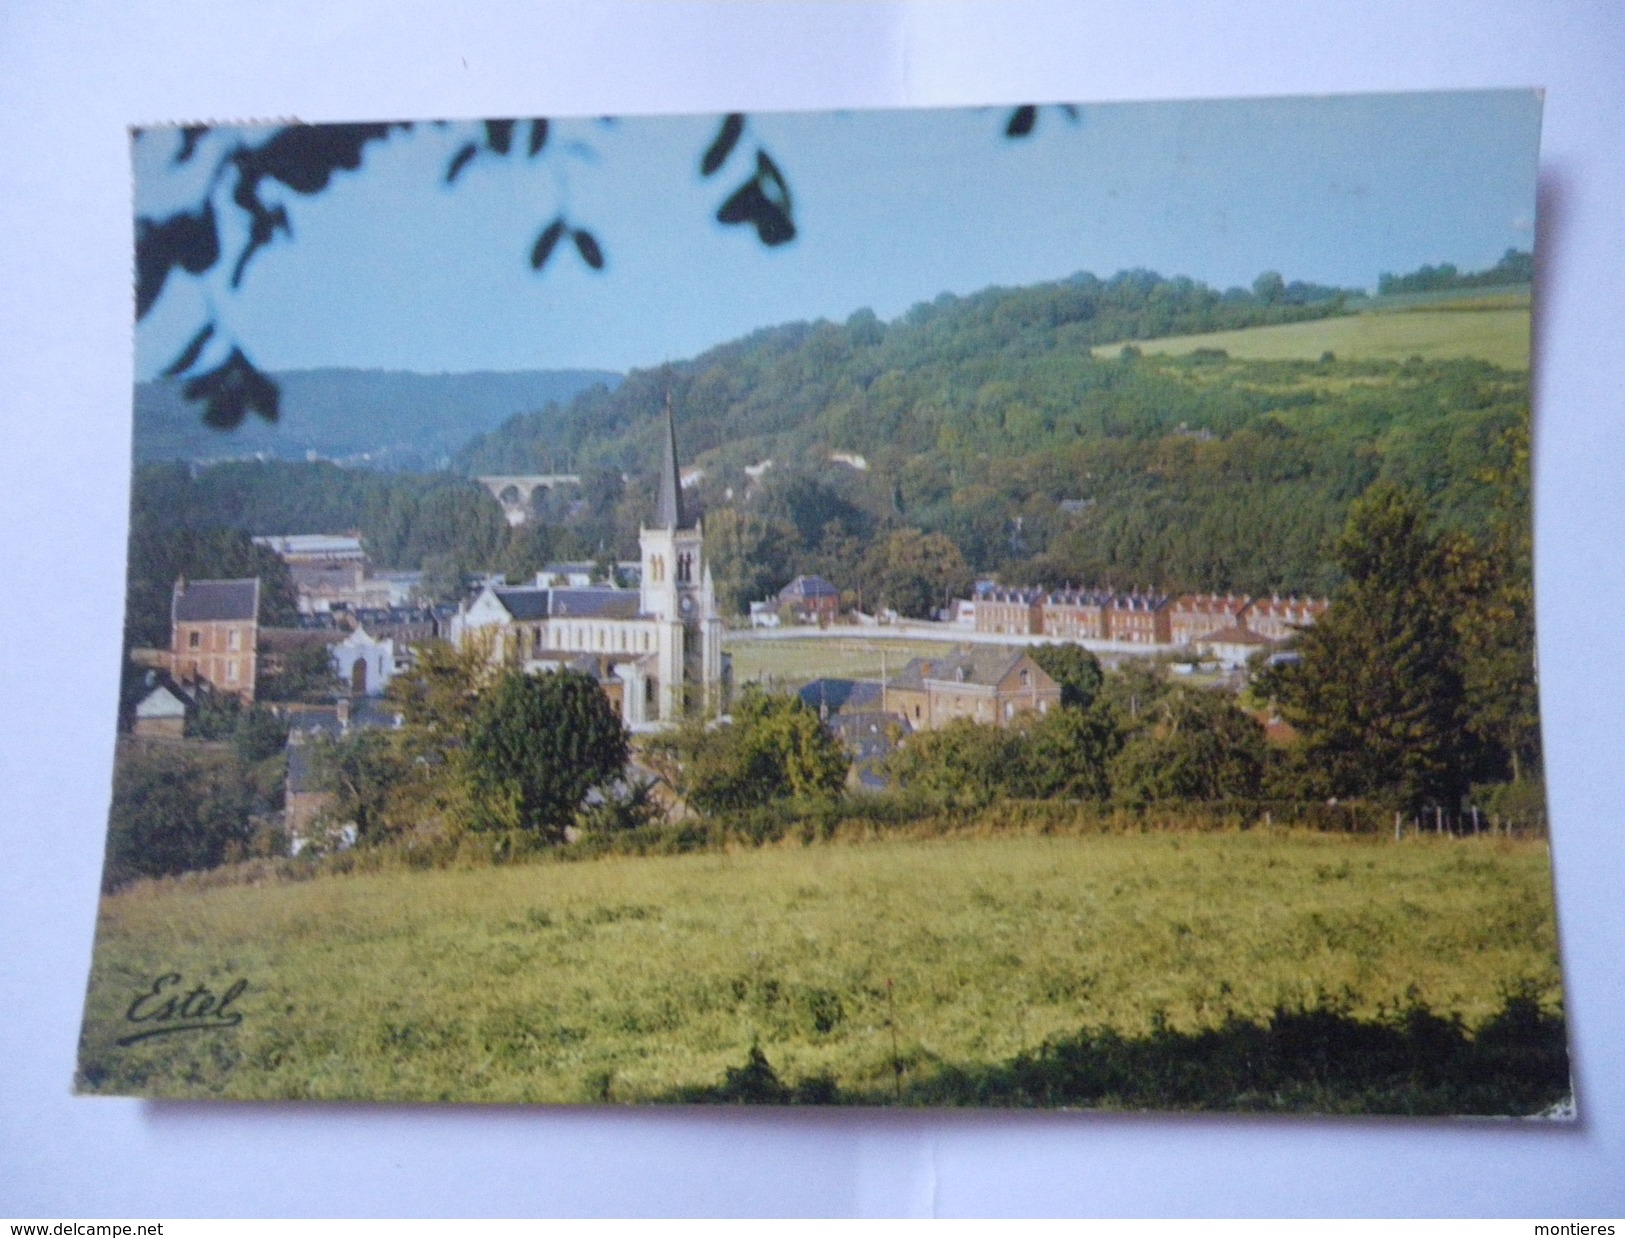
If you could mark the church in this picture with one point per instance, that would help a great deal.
(655, 650)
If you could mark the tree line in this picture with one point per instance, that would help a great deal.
(1516, 266)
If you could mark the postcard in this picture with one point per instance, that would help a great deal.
(1006, 607)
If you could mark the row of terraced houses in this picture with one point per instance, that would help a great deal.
(1140, 618)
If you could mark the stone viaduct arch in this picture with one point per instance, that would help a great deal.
(515, 490)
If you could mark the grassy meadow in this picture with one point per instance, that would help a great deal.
(903, 970)
(798, 661)
(1493, 329)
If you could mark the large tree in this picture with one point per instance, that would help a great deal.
(914, 573)
(1192, 745)
(1075, 669)
(1378, 689)
(537, 745)
(775, 748)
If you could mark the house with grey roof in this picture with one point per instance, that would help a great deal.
(163, 708)
(984, 683)
(811, 599)
(214, 634)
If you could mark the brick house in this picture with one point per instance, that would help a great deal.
(986, 684)
(214, 630)
(1076, 614)
(1010, 612)
(1139, 618)
(1277, 618)
(1194, 615)
(811, 599)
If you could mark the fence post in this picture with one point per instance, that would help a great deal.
(1399, 830)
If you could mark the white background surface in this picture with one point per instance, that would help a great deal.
(74, 75)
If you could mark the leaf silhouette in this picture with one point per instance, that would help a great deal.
(459, 161)
(231, 390)
(763, 200)
(189, 355)
(723, 145)
(304, 157)
(264, 222)
(499, 135)
(543, 249)
(1022, 121)
(588, 248)
(191, 135)
(185, 240)
(538, 136)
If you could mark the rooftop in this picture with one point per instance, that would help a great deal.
(209, 601)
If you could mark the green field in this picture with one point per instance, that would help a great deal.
(878, 971)
(796, 661)
(1489, 329)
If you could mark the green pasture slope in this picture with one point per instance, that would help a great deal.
(1490, 328)
(1120, 971)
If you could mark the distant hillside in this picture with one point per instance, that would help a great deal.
(386, 419)
(999, 422)
(792, 388)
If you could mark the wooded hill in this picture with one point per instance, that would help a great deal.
(986, 422)
(987, 419)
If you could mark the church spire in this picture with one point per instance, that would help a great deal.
(669, 509)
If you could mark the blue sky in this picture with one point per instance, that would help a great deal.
(391, 268)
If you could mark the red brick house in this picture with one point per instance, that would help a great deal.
(214, 630)
(1196, 614)
(1011, 612)
(1277, 618)
(1139, 619)
(811, 599)
(1076, 614)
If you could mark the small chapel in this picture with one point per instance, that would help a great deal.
(655, 650)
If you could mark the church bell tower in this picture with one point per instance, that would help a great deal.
(676, 591)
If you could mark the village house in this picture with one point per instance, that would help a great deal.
(214, 628)
(1139, 618)
(1278, 618)
(811, 599)
(857, 713)
(984, 684)
(1197, 614)
(163, 708)
(1076, 614)
(1010, 612)
(1230, 647)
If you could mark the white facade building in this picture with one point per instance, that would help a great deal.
(363, 664)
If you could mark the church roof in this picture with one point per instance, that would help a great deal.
(669, 508)
(524, 603)
(599, 603)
